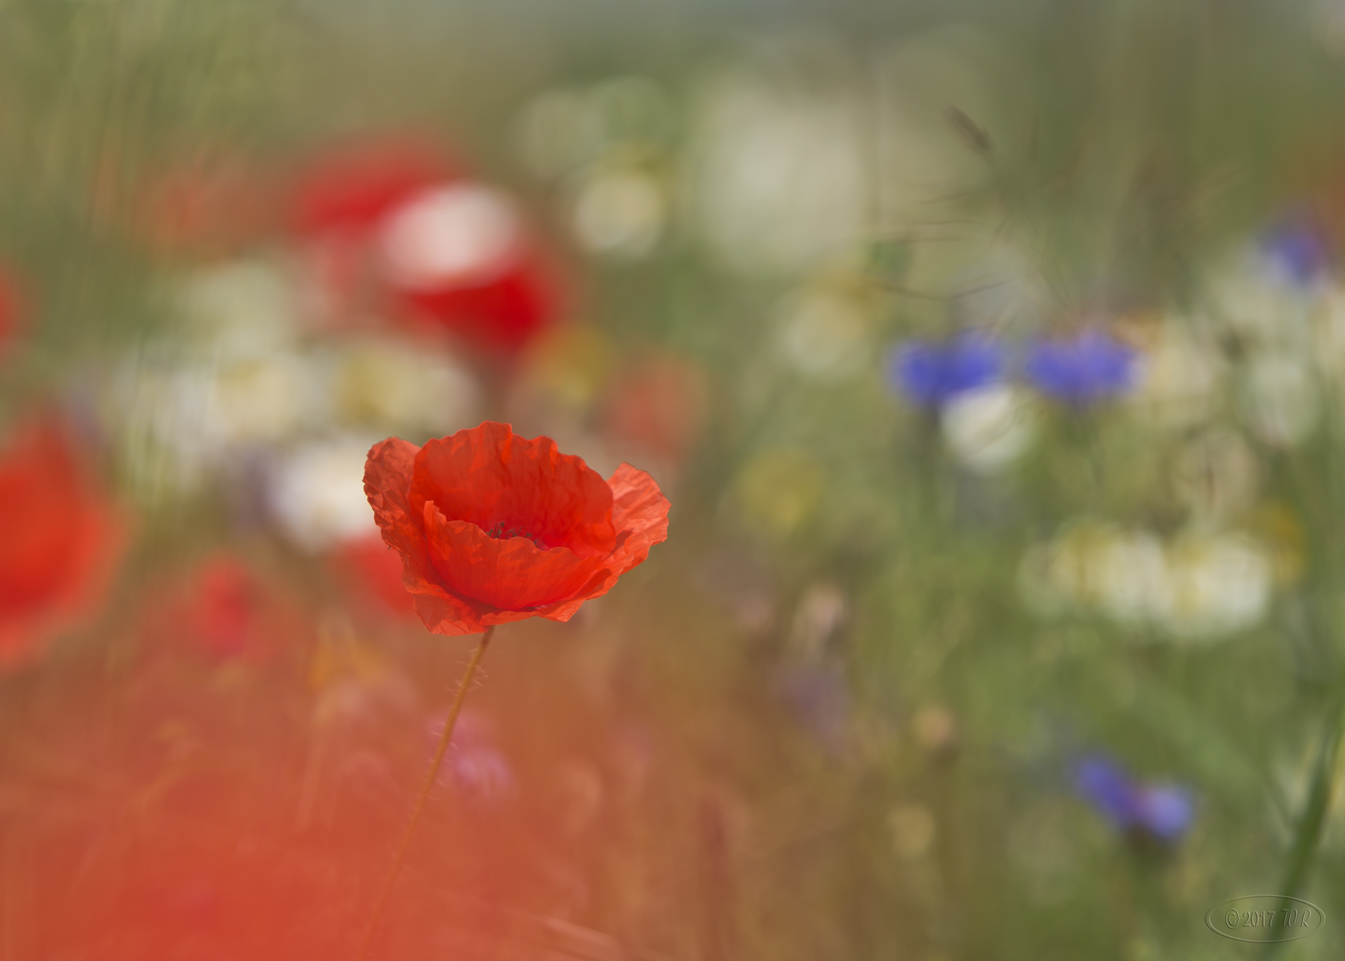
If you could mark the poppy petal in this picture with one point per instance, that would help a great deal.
(445, 614)
(506, 573)
(640, 514)
(491, 477)
(387, 481)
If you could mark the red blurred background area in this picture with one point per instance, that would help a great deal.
(195, 802)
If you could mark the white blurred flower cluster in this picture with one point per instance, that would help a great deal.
(770, 175)
(1180, 378)
(242, 388)
(604, 147)
(777, 175)
(1288, 325)
(990, 428)
(1195, 587)
(781, 161)
(784, 166)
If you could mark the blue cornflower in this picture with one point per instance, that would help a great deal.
(1087, 368)
(1161, 811)
(1299, 250)
(931, 373)
(1166, 810)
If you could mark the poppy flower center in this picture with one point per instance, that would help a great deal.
(503, 533)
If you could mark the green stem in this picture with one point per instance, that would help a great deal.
(1310, 825)
(444, 740)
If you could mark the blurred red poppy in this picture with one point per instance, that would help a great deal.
(395, 216)
(61, 536)
(374, 570)
(493, 527)
(337, 200)
(459, 254)
(502, 315)
(222, 610)
(350, 188)
(227, 611)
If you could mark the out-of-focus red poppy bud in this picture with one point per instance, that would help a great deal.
(374, 570)
(349, 190)
(658, 407)
(460, 254)
(503, 315)
(392, 223)
(227, 611)
(222, 614)
(60, 536)
(337, 202)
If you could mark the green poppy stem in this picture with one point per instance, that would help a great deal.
(444, 740)
(1308, 835)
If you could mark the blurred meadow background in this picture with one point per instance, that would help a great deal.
(990, 355)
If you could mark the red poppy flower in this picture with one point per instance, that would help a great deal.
(459, 255)
(394, 219)
(337, 199)
(493, 527)
(60, 537)
(350, 188)
(501, 315)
